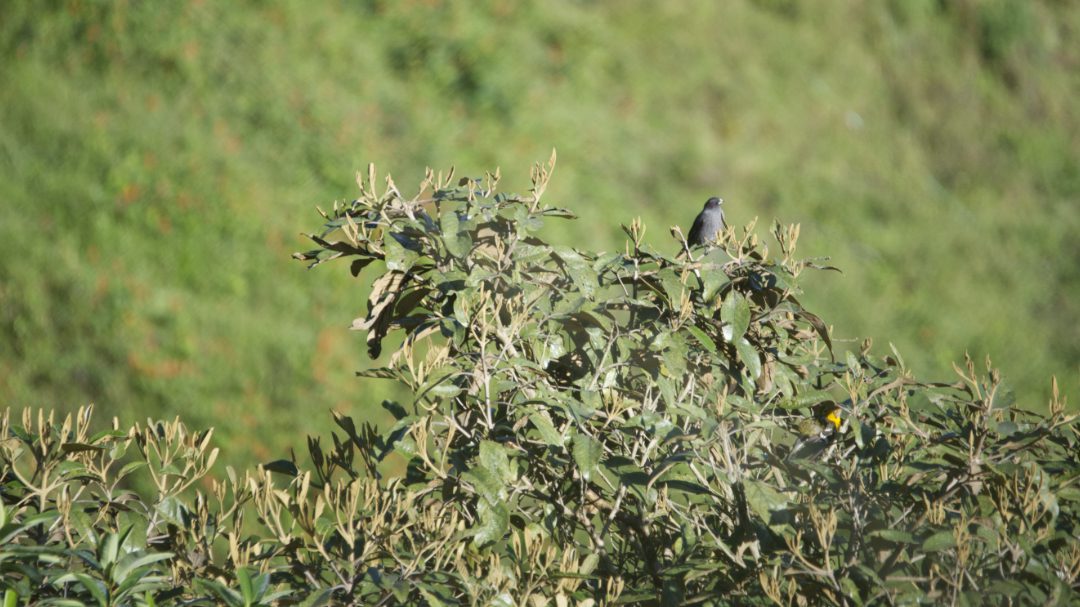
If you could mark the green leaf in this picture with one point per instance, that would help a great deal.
(171, 511)
(941, 540)
(319, 599)
(784, 279)
(487, 485)
(494, 521)
(713, 278)
(431, 598)
(457, 240)
(136, 584)
(808, 398)
(735, 314)
(97, 436)
(749, 357)
(243, 578)
(129, 468)
(673, 287)
(9, 532)
(109, 550)
(1006, 428)
(272, 598)
(853, 362)
(397, 257)
(10, 598)
(133, 561)
(1006, 587)
(526, 253)
(220, 591)
(675, 356)
(894, 535)
(261, 584)
(94, 587)
(607, 261)
(579, 270)
(587, 454)
(405, 445)
(1004, 398)
(763, 498)
(546, 429)
(667, 391)
(440, 383)
(702, 338)
(445, 389)
(524, 221)
(461, 310)
(495, 459)
(851, 590)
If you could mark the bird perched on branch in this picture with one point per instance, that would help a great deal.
(817, 432)
(708, 223)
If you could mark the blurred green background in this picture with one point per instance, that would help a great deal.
(159, 159)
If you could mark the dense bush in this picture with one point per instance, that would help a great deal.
(585, 428)
(152, 155)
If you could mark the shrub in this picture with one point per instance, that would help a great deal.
(585, 428)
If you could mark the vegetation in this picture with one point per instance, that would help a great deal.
(581, 428)
(157, 160)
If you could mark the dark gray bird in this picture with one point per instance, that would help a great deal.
(708, 223)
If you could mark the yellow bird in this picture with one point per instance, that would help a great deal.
(817, 432)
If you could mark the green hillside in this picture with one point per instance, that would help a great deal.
(158, 160)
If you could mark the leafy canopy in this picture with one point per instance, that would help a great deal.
(589, 428)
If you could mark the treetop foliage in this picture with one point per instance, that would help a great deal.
(585, 428)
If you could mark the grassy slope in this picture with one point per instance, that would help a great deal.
(158, 159)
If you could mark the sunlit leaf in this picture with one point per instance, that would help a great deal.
(735, 314)
(941, 540)
(749, 357)
(546, 429)
(587, 454)
(494, 522)
(763, 498)
(455, 237)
